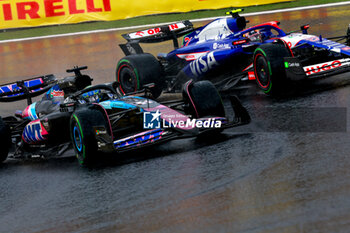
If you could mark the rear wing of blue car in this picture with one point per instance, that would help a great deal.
(155, 35)
(26, 89)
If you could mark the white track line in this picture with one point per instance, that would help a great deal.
(193, 20)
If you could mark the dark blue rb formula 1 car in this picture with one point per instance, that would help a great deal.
(227, 53)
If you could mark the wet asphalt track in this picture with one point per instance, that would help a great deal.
(270, 176)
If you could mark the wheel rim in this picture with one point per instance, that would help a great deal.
(77, 138)
(262, 71)
(127, 79)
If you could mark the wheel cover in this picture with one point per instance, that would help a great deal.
(127, 79)
(262, 71)
(78, 142)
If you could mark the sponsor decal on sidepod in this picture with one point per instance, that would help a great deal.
(313, 69)
(203, 64)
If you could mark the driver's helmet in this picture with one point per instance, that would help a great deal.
(94, 96)
(254, 36)
(266, 34)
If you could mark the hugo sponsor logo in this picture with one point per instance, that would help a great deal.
(322, 67)
(203, 64)
(24, 9)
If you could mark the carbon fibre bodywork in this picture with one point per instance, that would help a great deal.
(42, 129)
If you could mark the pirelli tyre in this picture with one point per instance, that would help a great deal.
(269, 68)
(134, 71)
(83, 125)
(202, 99)
(5, 139)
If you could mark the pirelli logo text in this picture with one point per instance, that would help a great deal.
(33, 13)
(13, 10)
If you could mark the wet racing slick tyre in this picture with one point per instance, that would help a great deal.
(82, 133)
(5, 139)
(134, 71)
(269, 68)
(202, 99)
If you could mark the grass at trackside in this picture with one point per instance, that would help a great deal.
(142, 20)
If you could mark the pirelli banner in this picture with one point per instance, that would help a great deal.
(31, 13)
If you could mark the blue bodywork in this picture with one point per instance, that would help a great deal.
(8, 88)
(225, 46)
(228, 44)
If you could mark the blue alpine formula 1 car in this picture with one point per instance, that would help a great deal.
(226, 52)
(98, 118)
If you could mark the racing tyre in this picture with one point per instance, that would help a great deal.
(202, 99)
(82, 133)
(269, 68)
(5, 139)
(134, 71)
